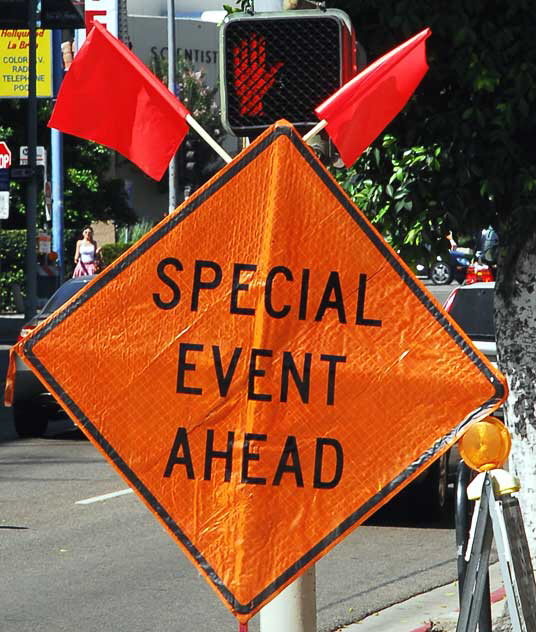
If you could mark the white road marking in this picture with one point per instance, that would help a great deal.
(96, 499)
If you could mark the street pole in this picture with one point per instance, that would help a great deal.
(294, 609)
(56, 147)
(31, 186)
(171, 85)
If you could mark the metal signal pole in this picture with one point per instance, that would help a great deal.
(31, 186)
(294, 609)
(56, 145)
(171, 85)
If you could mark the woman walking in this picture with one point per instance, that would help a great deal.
(87, 254)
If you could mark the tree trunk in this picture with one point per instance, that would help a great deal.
(515, 318)
(515, 314)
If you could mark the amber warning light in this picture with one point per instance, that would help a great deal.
(486, 445)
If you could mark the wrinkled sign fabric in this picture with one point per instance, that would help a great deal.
(265, 371)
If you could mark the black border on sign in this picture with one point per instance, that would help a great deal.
(108, 274)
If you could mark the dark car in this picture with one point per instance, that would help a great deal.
(33, 405)
(443, 272)
(471, 306)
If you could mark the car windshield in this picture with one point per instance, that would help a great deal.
(62, 294)
(472, 309)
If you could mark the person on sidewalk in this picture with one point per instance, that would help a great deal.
(87, 255)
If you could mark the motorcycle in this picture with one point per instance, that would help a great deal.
(478, 270)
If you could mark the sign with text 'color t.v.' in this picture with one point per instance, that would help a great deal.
(265, 371)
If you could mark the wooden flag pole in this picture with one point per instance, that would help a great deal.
(207, 138)
(316, 129)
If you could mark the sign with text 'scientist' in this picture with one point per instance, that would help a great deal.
(265, 371)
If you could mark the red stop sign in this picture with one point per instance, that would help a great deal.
(5, 156)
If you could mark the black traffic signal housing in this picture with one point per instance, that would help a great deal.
(191, 164)
(63, 14)
(282, 65)
(54, 14)
(190, 160)
(197, 161)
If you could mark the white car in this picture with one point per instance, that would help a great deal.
(471, 306)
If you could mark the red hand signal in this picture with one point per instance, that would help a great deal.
(251, 77)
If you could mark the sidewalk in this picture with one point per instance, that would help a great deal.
(434, 611)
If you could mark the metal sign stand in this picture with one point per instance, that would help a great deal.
(498, 516)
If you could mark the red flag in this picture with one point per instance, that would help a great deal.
(362, 108)
(10, 378)
(109, 96)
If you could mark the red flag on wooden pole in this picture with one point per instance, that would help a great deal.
(109, 96)
(361, 109)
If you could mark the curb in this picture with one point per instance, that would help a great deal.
(434, 611)
(496, 597)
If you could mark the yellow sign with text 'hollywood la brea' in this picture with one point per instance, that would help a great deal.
(14, 54)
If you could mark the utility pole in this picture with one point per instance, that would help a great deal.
(171, 85)
(56, 146)
(31, 186)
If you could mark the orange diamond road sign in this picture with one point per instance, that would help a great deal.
(265, 371)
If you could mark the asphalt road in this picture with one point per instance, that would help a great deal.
(109, 565)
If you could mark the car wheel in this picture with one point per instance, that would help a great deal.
(30, 420)
(441, 274)
(429, 499)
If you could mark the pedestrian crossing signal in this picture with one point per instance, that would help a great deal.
(281, 66)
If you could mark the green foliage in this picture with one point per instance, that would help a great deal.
(70, 237)
(90, 194)
(110, 252)
(7, 280)
(127, 236)
(200, 100)
(397, 185)
(245, 5)
(13, 125)
(131, 234)
(193, 91)
(461, 154)
(13, 262)
(13, 248)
